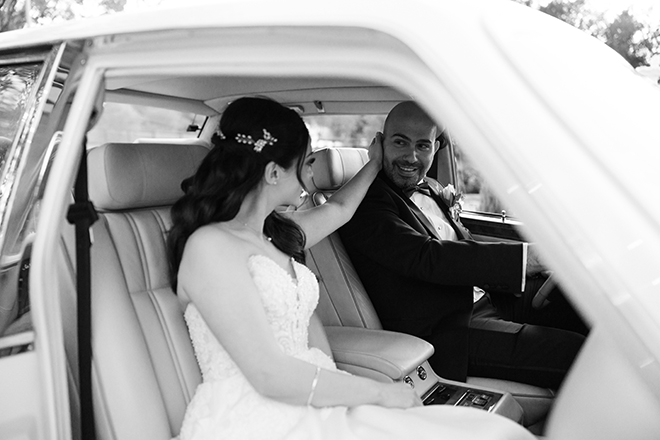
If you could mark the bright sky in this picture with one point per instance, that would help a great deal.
(622, 4)
(640, 8)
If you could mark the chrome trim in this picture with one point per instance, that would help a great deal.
(17, 340)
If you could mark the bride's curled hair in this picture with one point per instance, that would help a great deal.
(232, 169)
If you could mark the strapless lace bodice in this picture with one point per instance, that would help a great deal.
(226, 406)
(289, 304)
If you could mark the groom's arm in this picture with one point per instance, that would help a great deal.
(383, 231)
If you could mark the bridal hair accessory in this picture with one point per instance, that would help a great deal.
(259, 144)
(314, 383)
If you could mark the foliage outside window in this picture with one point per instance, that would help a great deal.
(477, 196)
(343, 130)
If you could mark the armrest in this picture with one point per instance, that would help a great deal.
(380, 352)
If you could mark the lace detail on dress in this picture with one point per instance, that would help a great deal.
(289, 303)
(226, 405)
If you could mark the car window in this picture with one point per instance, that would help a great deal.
(477, 196)
(343, 130)
(16, 85)
(122, 122)
(30, 87)
(16, 82)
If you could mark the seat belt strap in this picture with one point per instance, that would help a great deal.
(82, 214)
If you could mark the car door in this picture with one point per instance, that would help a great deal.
(34, 92)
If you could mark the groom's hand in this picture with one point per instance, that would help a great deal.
(534, 264)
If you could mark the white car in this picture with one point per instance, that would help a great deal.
(562, 129)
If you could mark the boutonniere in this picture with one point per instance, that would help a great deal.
(454, 201)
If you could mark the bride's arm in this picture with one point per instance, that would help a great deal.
(317, 336)
(215, 277)
(321, 221)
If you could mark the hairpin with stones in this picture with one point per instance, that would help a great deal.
(259, 144)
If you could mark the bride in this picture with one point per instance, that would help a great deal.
(238, 264)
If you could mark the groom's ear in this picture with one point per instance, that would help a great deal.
(442, 140)
(436, 145)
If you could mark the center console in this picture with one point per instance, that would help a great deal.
(390, 356)
(434, 390)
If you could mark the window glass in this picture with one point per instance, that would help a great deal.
(16, 83)
(20, 93)
(477, 197)
(343, 130)
(29, 94)
(129, 122)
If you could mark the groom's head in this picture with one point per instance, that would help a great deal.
(409, 143)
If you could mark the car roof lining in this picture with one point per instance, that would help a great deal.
(209, 94)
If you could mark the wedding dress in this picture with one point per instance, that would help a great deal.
(226, 406)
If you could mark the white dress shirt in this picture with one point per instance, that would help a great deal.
(434, 214)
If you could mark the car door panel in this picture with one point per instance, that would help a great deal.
(31, 375)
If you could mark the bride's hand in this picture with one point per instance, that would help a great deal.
(399, 395)
(376, 149)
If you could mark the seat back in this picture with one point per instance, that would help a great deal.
(343, 299)
(144, 368)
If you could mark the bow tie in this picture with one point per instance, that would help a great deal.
(422, 187)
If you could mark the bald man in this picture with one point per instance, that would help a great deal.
(420, 267)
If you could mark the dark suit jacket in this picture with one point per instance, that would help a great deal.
(419, 284)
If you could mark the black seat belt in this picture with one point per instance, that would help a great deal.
(82, 214)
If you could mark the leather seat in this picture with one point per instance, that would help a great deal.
(144, 368)
(343, 298)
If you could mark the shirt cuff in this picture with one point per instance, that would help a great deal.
(524, 266)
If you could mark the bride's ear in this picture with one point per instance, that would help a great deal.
(272, 173)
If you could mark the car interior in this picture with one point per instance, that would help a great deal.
(144, 372)
(140, 340)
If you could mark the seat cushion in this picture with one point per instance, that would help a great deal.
(342, 297)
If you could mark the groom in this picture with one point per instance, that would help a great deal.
(424, 273)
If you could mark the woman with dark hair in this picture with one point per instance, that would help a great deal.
(237, 264)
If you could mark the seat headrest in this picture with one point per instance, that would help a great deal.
(333, 167)
(130, 176)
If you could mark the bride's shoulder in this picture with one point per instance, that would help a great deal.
(217, 240)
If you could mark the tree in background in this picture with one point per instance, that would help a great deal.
(10, 16)
(634, 40)
(577, 14)
(13, 14)
(631, 39)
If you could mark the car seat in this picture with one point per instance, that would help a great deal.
(144, 368)
(343, 299)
